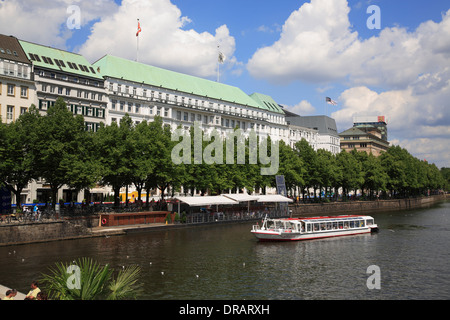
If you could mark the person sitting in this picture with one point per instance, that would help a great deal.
(10, 294)
(32, 295)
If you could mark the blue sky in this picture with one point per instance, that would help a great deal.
(298, 52)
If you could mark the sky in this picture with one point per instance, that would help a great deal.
(394, 61)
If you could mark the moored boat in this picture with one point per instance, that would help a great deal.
(290, 229)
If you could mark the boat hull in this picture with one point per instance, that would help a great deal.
(295, 236)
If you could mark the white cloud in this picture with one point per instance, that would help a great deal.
(317, 45)
(409, 68)
(419, 123)
(165, 40)
(303, 108)
(45, 22)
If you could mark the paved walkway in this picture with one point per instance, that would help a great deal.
(3, 289)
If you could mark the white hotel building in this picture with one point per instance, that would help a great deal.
(145, 91)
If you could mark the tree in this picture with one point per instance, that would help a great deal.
(351, 172)
(63, 150)
(16, 152)
(87, 280)
(114, 152)
(291, 166)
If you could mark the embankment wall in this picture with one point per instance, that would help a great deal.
(362, 207)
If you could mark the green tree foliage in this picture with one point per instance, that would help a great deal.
(57, 148)
(63, 150)
(17, 153)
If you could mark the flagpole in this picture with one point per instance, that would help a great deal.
(137, 45)
(218, 66)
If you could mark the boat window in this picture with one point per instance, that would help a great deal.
(335, 225)
(341, 224)
(316, 226)
(352, 224)
(308, 227)
(370, 222)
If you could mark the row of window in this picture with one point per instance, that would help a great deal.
(68, 92)
(11, 112)
(352, 145)
(174, 99)
(13, 69)
(60, 63)
(76, 109)
(65, 77)
(11, 90)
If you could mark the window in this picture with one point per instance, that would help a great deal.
(113, 104)
(23, 110)
(137, 108)
(11, 90)
(24, 92)
(122, 105)
(363, 145)
(9, 112)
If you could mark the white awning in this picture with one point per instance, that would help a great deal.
(241, 197)
(273, 198)
(206, 201)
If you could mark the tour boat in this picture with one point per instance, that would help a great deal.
(294, 229)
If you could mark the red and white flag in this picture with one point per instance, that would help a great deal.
(139, 29)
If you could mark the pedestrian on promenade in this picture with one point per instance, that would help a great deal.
(10, 294)
(32, 295)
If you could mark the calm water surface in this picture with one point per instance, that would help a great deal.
(226, 262)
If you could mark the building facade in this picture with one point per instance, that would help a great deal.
(59, 73)
(145, 91)
(103, 92)
(364, 139)
(378, 122)
(17, 87)
(327, 135)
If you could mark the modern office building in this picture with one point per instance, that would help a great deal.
(17, 87)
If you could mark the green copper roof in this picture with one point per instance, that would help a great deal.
(59, 60)
(266, 102)
(119, 68)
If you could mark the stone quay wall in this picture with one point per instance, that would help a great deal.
(23, 233)
(362, 207)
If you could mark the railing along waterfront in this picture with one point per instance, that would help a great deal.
(198, 218)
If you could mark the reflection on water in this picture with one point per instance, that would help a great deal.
(226, 262)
